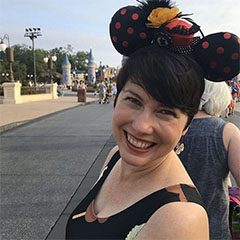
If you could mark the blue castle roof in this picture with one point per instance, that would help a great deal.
(90, 57)
(65, 60)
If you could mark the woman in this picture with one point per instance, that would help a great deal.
(145, 174)
(212, 149)
(143, 188)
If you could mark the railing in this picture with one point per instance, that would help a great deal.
(32, 90)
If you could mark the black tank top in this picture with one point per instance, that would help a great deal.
(83, 224)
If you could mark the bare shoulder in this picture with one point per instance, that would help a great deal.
(230, 133)
(109, 156)
(231, 128)
(231, 138)
(182, 220)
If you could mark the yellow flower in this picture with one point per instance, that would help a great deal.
(160, 15)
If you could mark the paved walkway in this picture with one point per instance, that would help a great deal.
(237, 107)
(12, 115)
(44, 163)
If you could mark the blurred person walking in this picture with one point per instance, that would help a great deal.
(102, 92)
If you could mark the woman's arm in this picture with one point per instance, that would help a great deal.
(177, 220)
(231, 138)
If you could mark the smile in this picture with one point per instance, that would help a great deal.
(138, 143)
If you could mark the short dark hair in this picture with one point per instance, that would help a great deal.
(175, 80)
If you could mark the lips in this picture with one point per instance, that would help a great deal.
(137, 143)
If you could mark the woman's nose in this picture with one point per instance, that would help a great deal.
(144, 123)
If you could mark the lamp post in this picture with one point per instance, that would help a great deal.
(9, 54)
(5, 76)
(29, 76)
(33, 33)
(49, 60)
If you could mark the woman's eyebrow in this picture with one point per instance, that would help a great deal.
(133, 93)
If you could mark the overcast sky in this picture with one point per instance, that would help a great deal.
(84, 23)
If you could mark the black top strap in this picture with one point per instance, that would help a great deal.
(95, 189)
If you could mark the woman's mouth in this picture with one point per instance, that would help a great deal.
(137, 143)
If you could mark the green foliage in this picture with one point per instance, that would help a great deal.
(23, 63)
(80, 59)
(19, 70)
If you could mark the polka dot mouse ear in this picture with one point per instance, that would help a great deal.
(160, 22)
(128, 30)
(152, 22)
(218, 55)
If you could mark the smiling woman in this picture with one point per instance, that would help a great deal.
(158, 94)
(143, 187)
(145, 130)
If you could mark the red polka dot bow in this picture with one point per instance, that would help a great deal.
(160, 22)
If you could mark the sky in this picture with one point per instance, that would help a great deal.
(85, 23)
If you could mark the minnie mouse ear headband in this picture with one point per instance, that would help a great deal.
(159, 22)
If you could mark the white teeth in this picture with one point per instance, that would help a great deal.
(137, 143)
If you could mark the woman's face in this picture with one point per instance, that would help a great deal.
(144, 129)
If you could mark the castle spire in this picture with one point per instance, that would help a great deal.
(66, 71)
(91, 69)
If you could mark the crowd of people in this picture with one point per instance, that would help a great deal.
(234, 88)
(106, 90)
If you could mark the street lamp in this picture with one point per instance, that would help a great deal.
(9, 54)
(49, 60)
(5, 76)
(29, 76)
(33, 33)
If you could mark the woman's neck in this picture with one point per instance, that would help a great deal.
(201, 114)
(131, 173)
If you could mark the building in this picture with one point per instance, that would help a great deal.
(91, 69)
(66, 72)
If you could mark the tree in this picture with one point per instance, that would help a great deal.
(19, 71)
(23, 62)
(81, 58)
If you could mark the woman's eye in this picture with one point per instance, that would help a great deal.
(167, 112)
(133, 100)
